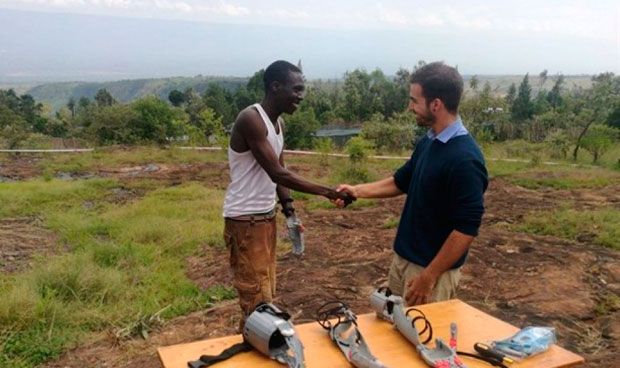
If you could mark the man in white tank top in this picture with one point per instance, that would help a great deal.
(258, 173)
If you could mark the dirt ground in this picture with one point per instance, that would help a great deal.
(520, 278)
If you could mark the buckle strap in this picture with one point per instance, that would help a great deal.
(209, 360)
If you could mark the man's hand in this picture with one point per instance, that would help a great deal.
(347, 191)
(419, 288)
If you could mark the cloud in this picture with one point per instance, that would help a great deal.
(391, 16)
(283, 14)
(223, 8)
(429, 20)
(63, 3)
(554, 17)
(173, 5)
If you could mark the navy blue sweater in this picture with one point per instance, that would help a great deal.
(445, 184)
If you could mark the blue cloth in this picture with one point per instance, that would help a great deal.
(445, 182)
(455, 129)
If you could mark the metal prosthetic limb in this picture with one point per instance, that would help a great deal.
(346, 335)
(390, 308)
(269, 331)
(294, 233)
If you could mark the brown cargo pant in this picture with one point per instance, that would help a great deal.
(402, 271)
(252, 246)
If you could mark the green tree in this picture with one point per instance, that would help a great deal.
(483, 113)
(319, 101)
(83, 103)
(542, 78)
(243, 98)
(391, 96)
(559, 143)
(474, 82)
(600, 99)
(155, 121)
(10, 100)
(104, 98)
(30, 110)
(111, 124)
(71, 106)
(60, 125)
(358, 149)
(221, 101)
(256, 86)
(613, 119)
(554, 97)
(541, 104)
(176, 97)
(511, 95)
(359, 102)
(13, 127)
(394, 134)
(599, 139)
(209, 123)
(522, 108)
(300, 128)
(325, 146)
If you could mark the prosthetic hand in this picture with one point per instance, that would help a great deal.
(295, 233)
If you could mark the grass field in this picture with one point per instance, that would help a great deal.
(119, 265)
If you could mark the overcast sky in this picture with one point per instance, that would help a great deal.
(482, 37)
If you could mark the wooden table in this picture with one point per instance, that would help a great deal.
(385, 342)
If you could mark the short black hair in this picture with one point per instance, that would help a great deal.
(278, 72)
(441, 81)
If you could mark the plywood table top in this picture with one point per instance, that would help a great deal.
(385, 342)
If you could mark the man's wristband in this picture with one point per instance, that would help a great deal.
(288, 211)
(284, 201)
(287, 207)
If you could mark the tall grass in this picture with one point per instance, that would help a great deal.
(601, 226)
(127, 264)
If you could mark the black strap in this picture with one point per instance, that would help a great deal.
(209, 360)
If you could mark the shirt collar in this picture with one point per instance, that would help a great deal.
(455, 129)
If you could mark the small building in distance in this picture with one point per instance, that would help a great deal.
(340, 135)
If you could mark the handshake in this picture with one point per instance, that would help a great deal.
(343, 196)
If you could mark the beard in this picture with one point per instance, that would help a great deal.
(425, 119)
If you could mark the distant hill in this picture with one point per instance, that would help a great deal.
(58, 94)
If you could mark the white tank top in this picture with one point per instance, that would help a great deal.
(251, 190)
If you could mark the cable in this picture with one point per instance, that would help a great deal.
(329, 310)
(479, 357)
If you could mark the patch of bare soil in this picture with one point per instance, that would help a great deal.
(18, 167)
(520, 278)
(22, 167)
(214, 173)
(20, 240)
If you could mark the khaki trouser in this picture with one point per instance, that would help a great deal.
(402, 271)
(252, 246)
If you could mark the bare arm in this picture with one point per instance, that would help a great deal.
(384, 188)
(254, 133)
(284, 194)
(419, 289)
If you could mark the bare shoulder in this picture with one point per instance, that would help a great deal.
(249, 124)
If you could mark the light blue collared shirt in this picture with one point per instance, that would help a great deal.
(455, 129)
